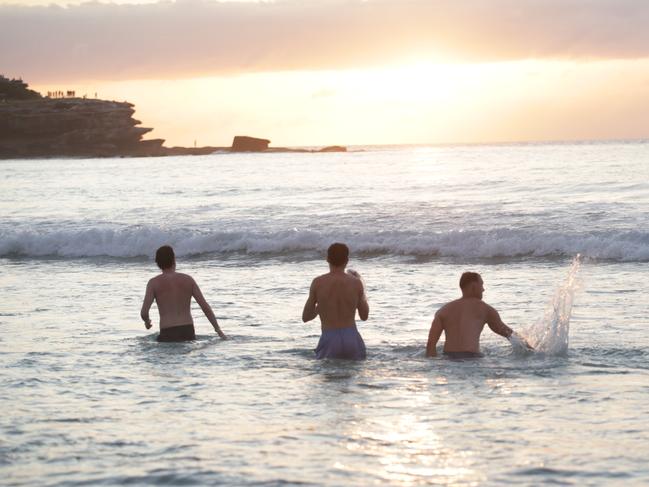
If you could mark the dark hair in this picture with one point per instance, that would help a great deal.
(467, 278)
(338, 254)
(165, 257)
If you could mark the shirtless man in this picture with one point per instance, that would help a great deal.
(335, 297)
(462, 321)
(173, 293)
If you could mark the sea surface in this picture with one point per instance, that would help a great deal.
(88, 397)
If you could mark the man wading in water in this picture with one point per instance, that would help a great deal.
(173, 294)
(462, 321)
(336, 296)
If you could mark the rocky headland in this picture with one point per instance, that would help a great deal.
(72, 127)
(33, 126)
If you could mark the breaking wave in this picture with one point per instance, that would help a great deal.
(139, 241)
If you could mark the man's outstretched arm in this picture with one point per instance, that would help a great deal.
(310, 310)
(146, 305)
(198, 296)
(435, 332)
(496, 324)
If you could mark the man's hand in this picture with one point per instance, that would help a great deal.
(527, 345)
(354, 273)
(518, 340)
(148, 324)
(220, 333)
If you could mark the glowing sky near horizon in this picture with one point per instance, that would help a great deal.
(320, 72)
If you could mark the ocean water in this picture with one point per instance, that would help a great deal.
(90, 398)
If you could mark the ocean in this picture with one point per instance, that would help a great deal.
(90, 398)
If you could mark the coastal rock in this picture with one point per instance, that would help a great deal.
(79, 127)
(333, 148)
(193, 151)
(16, 89)
(243, 143)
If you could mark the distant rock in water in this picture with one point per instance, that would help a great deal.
(242, 143)
(193, 151)
(333, 148)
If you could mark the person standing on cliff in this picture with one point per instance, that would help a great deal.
(173, 293)
(335, 297)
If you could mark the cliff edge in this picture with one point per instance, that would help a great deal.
(34, 126)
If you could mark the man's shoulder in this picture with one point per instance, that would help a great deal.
(488, 308)
(450, 305)
(182, 275)
(154, 279)
(318, 280)
(184, 278)
(322, 277)
(176, 276)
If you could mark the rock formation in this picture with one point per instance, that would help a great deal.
(32, 126)
(15, 89)
(242, 143)
(333, 148)
(193, 151)
(72, 127)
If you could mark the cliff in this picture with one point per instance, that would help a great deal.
(34, 126)
(78, 127)
(16, 89)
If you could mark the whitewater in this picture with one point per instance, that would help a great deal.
(89, 397)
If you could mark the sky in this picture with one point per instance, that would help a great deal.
(323, 72)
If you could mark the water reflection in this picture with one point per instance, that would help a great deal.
(411, 448)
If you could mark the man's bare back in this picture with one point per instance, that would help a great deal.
(463, 320)
(335, 297)
(173, 292)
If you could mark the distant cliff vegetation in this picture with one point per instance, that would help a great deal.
(16, 89)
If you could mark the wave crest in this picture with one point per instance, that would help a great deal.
(129, 242)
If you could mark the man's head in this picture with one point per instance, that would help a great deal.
(471, 285)
(338, 255)
(165, 257)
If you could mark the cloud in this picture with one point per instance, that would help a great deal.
(189, 38)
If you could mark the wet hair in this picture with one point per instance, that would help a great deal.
(467, 278)
(165, 257)
(338, 254)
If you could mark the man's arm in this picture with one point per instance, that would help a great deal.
(146, 304)
(435, 332)
(198, 296)
(310, 310)
(363, 305)
(496, 324)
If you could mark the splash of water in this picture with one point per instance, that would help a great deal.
(551, 334)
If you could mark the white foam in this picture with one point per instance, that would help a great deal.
(141, 241)
(551, 334)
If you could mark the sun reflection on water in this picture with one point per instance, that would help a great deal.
(410, 449)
